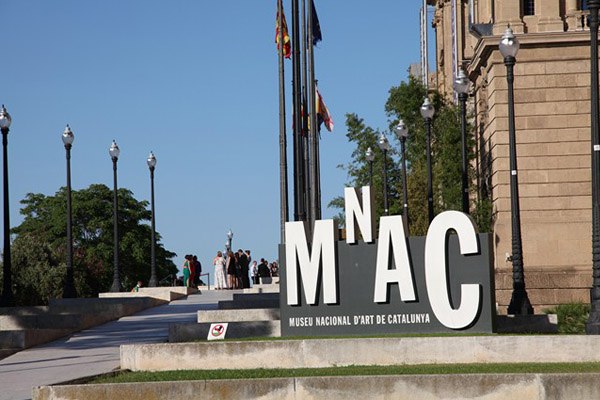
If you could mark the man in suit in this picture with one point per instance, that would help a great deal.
(244, 263)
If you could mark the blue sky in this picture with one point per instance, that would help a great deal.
(196, 82)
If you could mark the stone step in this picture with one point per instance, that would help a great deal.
(24, 310)
(23, 339)
(235, 330)
(257, 314)
(433, 387)
(317, 353)
(8, 352)
(169, 293)
(107, 308)
(248, 304)
(263, 288)
(43, 321)
(255, 296)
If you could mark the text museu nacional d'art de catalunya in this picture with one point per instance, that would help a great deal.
(442, 282)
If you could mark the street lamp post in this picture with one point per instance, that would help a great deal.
(370, 156)
(593, 323)
(461, 86)
(151, 165)
(7, 294)
(229, 239)
(402, 132)
(519, 302)
(69, 290)
(384, 145)
(427, 112)
(114, 155)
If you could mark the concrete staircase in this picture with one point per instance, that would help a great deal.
(247, 315)
(24, 327)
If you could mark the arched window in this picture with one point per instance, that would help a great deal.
(528, 7)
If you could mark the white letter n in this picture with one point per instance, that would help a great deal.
(359, 214)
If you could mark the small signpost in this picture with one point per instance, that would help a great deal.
(217, 331)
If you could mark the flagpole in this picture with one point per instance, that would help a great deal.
(283, 183)
(314, 152)
(299, 210)
(306, 142)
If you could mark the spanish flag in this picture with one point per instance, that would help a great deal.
(323, 115)
(287, 46)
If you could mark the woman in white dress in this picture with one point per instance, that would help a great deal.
(219, 263)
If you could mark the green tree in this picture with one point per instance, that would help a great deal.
(39, 249)
(404, 102)
(358, 167)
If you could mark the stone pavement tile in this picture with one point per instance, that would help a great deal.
(96, 350)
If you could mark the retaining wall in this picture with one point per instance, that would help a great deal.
(315, 353)
(406, 387)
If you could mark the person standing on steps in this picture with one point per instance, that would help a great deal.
(219, 263)
(186, 270)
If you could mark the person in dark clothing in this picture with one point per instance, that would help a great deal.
(244, 264)
(231, 267)
(197, 271)
(263, 269)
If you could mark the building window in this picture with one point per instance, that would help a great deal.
(528, 7)
(584, 5)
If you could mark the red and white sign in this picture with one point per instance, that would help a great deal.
(217, 331)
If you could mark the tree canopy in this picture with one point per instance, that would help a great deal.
(404, 102)
(39, 249)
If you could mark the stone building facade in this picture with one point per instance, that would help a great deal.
(552, 112)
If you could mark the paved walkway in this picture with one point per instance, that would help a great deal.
(96, 351)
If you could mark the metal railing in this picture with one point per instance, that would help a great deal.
(169, 279)
(207, 279)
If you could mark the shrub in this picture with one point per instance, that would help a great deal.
(571, 317)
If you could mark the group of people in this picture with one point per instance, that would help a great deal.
(231, 269)
(263, 270)
(192, 269)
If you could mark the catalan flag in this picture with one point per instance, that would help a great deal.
(287, 46)
(323, 115)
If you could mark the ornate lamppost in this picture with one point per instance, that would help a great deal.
(519, 302)
(229, 239)
(370, 156)
(114, 155)
(592, 326)
(402, 133)
(461, 87)
(7, 298)
(427, 112)
(384, 145)
(69, 290)
(151, 165)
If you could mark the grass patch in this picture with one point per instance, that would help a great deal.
(194, 375)
(571, 317)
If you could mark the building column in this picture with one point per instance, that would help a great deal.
(573, 16)
(549, 16)
(508, 12)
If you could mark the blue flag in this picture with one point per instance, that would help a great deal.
(316, 27)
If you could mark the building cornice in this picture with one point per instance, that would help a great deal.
(488, 44)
